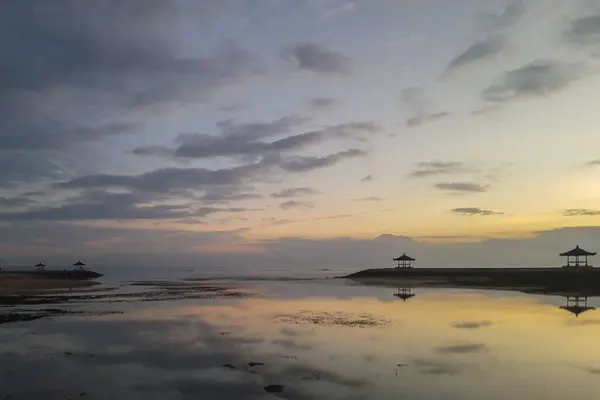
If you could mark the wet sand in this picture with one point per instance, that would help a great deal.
(22, 282)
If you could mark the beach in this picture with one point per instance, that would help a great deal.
(289, 338)
(10, 283)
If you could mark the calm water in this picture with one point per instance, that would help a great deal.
(320, 338)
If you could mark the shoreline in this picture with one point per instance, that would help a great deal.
(15, 283)
(585, 282)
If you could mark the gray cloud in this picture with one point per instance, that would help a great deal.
(462, 187)
(324, 103)
(306, 163)
(579, 212)
(372, 198)
(103, 205)
(168, 180)
(317, 58)
(462, 348)
(593, 163)
(423, 118)
(294, 204)
(430, 168)
(153, 151)
(510, 16)
(217, 197)
(20, 201)
(585, 31)
(242, 139)
(538, 78)
(472, 324)
(290, 344)
(470, 211)
(108, 56)
(367, 178)
(435, 367)
(478, 51)
(294, 192)
(51, 135)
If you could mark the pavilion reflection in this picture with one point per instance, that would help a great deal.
(576, 304)
(404, 293)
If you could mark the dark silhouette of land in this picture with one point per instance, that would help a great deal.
(529, 280)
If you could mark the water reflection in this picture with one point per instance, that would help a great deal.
(405, 293)
(577, 304)
(447, 344)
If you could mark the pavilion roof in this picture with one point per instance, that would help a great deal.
(79, 264)
(40, 265)
(404, 296)
(577, 251)
(577, 309)
(404, 257)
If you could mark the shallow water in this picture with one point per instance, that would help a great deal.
(320, 339)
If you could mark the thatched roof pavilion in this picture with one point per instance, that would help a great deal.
(404, 261)
(574, 255)
(40, 265)
(79, 265)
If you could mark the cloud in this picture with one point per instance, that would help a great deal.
(462, 348)
(593, 163)
(430, 168)
(217, 197)
(306, 163)
(317, 58)
(323, 103)
(434, 367)
(51, 135)
(294, 192)
(538, 78)
(470, 211)
(153, 151)
(479, 51)
(103, 205)
(510, 16)
(367, 178)
(63, 59)
(579, 212)
(243, 139)
(585, 30)
(472, 324)
(290, 344)
(294, 204)
(372, 198)
(462, 187)
(423, 118)
(20, 201)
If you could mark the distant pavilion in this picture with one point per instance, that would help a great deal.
(404, 261)
(404, 293)
(573, 258)
(79, 266)
(40, 266)
(577, 305)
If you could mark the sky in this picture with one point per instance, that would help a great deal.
(335, 131)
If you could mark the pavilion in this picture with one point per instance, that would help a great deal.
(40, 266)
(79, 265)
(404, 261)
(573, 258)
(577, 305)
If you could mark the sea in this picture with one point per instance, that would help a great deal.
(197, 333)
